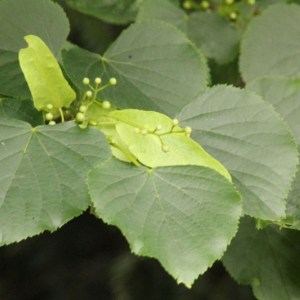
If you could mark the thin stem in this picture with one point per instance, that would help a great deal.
(61, 115)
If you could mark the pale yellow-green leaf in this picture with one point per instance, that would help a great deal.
(44, 76)
(153, 139)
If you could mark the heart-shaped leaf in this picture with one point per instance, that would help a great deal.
(42, 175)
(185, 216)
(249, 138)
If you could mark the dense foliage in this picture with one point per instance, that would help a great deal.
(190, 153)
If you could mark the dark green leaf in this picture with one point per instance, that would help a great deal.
(42, 175)
(157, 68)
(214, 35)
(185, 216)
(270, 46)
(268, 259)
(111, 11)
(246, 135)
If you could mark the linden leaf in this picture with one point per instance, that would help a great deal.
(44, 76)
(184, 216)
(42, 175)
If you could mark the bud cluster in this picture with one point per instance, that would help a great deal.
(228, 8)
(90, 97)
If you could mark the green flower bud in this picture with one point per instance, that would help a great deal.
(85, 81)
(175, 122)
(106, 105)
(188, 130)
(113, 81)
(251, 2)
(229, 2)
(52, 123)
(49, 116)
(187, 5)
(98, 80)
(233, 15)
(205, 4)
(89, 94)
(49, 106)
(80, 117)
(82, 108)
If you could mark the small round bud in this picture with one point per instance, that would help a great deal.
(158, 127)
(166, 148)
(98, 80)
(233, 15)
(175, 122)
(187, 5)
(106, 105)
(52, 123)
(82, 108)
(85, 81)
(136, 130)
(80, 117)
(229, 2)
(49, 106)
(205, 4)
(113, 81)
(144, 131)
(251, 2)
(89, 94)
(49, 116)
(188, 130)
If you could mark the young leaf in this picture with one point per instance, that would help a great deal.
(270, 45)
(44, 76)
(159, 142)
(185, 216)
(19, 18)
(246, 135)
(42, 175)
(156, 66)
(268, 259)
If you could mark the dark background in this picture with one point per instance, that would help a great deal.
(87, 259)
